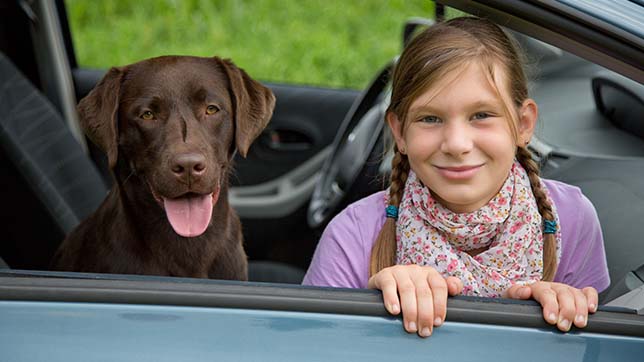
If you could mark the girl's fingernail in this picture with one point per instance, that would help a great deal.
(412, 327)
(564, 324)
(451, 285)
(579, 320)
(438, 321)
(395, 308)
(593, 307)
(426, 332)
(552, 318)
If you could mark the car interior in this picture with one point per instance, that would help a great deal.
(324, 148)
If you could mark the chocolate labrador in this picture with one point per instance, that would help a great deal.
(170, 127)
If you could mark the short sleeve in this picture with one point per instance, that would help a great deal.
(583, 260)
(341, 258)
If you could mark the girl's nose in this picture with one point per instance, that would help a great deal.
(457, 138)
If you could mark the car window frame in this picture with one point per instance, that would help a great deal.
(556, 24)
(116, 289)
(190, 292)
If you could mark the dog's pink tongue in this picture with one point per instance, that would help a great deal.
(189, 216)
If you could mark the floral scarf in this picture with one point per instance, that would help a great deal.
(510, 226)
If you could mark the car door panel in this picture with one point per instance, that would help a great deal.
(304, 123)
(153, 315)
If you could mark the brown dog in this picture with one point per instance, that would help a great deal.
(170, 127)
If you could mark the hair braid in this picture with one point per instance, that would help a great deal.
(545, 209)
(383, 253)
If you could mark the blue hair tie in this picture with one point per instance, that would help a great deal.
(392, 211)
(549, 226)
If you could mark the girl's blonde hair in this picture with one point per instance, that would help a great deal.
(430, 57)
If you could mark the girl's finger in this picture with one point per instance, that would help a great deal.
(566, 300)
(581, 308)
(518, 292)
(425, 299)
(454, 286)
(386, 282)
(592, 298)
(438, 284)
(408, 302)
(547, 297)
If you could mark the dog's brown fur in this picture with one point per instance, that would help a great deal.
(129, 233)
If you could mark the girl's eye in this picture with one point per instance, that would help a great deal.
(481, 115)
(210, 110)
(430, 119)
(147, 115)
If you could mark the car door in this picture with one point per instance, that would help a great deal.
(67, 317)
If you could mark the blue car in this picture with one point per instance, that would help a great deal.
(297, 176)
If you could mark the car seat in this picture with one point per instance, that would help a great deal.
(49, 184)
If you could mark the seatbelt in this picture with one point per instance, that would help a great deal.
(541, 151)
(53, 63)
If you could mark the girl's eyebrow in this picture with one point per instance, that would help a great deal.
(487, 103)
(424, 109)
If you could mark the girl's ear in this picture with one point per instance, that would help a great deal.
(528, 114)
(396, 129)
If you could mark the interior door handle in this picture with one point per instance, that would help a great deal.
(286, 140)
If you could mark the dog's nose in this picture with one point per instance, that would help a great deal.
(189, 165)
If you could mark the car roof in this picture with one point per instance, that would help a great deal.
(627, 16)
(605, 32)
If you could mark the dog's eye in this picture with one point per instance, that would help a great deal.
(210, 110)
(147, 115)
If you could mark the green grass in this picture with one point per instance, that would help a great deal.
(335, 43)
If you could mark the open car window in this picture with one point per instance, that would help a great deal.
(590, 135)
(599, 119)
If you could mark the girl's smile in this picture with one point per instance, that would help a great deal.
(459, 172)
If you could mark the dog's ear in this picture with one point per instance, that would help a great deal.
(98, 114)
(252, 103)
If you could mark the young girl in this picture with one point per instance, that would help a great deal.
(466, 211)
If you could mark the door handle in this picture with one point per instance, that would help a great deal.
(286, 140)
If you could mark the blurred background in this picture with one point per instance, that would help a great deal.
(328, 43)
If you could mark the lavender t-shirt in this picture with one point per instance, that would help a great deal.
(343, 253)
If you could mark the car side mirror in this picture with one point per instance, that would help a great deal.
(621, 100)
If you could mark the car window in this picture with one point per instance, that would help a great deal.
(333, 43)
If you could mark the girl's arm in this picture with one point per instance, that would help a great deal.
(340, 259)
(583, 262)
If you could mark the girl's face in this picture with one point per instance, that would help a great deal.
(458, 138)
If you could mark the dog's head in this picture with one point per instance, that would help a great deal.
(176, 122)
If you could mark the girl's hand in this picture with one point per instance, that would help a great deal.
(562, 304)
(423, 295)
